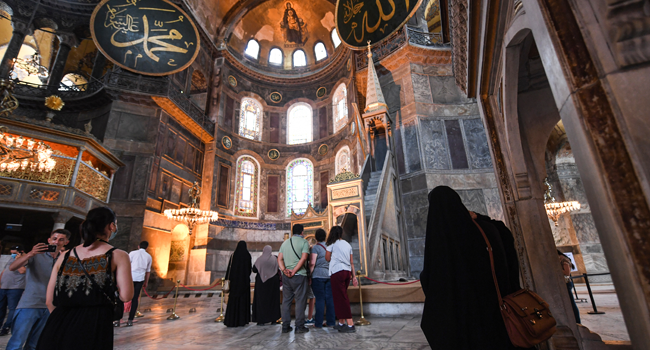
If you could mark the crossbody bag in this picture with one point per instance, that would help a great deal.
(226, 284)
(300, 257)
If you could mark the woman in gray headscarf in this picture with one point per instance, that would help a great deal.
(266, 300)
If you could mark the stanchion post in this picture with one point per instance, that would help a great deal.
(139, 314)
(362, 321)
(174, 316)
(220, 318)
(591, 296)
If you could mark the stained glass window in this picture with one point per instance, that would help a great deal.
(343, 163)
(252, 49)
(275, 57)
(299, 124)
(246, 190)
(319, 51)
(249, 120)
(299, 58)
(335, 38)
(300, 186)
(340, 107)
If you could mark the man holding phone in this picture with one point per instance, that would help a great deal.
(32, 313)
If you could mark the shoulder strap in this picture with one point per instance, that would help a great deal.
(322, 246)
(65, 258)
(229, 265)
(294, 249)
(494, 275)
(113, 301)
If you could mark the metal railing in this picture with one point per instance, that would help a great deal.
(30, 91)
(430, 40)
(591, 295)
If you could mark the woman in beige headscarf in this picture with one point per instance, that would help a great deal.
(266, 300)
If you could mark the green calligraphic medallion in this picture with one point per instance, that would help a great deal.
(273, 154)
(323, 149)
(232, 81)
(226, 142)
(275, 97)
(360, 21)
(321, 92)
(149, 37)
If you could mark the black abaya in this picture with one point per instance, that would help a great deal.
(266, 300)
(238, 311)
(461, 309)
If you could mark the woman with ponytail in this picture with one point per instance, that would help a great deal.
(85, 285)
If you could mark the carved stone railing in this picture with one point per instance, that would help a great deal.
(29, 91)
(430, 40)
(385, 48)
(158, 86)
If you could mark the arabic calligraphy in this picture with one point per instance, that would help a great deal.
(152, 37)
(358, 21)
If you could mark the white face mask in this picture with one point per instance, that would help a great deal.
(113, 234)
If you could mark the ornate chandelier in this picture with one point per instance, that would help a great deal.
(192, 215)
(31, 66)
(555, 209)
(17, 152)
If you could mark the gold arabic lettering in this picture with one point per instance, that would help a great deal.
(351, 10)
(164, 46)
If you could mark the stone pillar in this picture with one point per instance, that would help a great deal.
(21, 30)
(67, 42)
(98, 65)
(60, 219)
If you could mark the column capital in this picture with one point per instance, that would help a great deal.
(68, 39)
(62, 217)
(22, 28)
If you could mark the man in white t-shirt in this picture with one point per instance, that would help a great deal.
(140, 270)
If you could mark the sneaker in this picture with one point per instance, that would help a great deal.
(310, 321)
(286, 329)
(302, 329)
(4, 332)
(116, 323)
(129, 323)
(338, 326)
(347, 329)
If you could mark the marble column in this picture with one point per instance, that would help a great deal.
(67, 42)
(21, 30)
(60, 219)
(98, 65)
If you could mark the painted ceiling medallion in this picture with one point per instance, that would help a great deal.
(275, 97)
(232, 81)
(273, 154)
(321, 92)
(323, 149)
(226, 142)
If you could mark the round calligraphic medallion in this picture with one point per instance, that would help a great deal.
(226, 142)
(149, 37)
(323, 149)
(359, 21)
(275, 97)
(273, 154)
(353, 128)
(321, 92)
(232, 81)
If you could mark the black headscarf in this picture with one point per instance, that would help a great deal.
(461, 309)
(239, 271)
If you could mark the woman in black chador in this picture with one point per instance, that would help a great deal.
(461, 309)
(238, 311)
(266, 300)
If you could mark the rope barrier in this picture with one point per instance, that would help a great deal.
(200, 290)
(157, 297)
(392, 284)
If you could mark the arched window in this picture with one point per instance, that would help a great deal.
(276, 56)
(249, 119)
(340, 107)
(335, 38)
(300, 186)
(252, 49)
(299, 124)
(246, 188)
(343, 162)
(299, 58)
(319, 51)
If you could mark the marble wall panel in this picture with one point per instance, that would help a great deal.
(434, 144)
(493, 203)
(412, 148)
(476, 140)
(140, 177)
(421, 90)
(416, 209)
(392, 94)
(473, 200)
(572, 187)
(595, 263)
(445, 91)
(135, 127)
(462, 181)
(585, 228)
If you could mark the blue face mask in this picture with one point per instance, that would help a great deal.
(114, 233)
(14, 255)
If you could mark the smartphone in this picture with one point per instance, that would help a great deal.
(51, 248)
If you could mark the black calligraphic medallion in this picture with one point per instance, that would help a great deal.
(275, 97)
(226, 142)
(360, 21)
(273, 154)
(150, 37)
(321, 92)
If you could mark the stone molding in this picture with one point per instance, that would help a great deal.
(459, 13)
(627, 23)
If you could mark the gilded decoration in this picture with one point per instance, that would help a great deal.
(93, 183)
(54, 103)
(345, 192)
(321, 92)
(226, 142)
(60, 175)
(275, 97)
(177, 251)
(232, 81)
(345, 176)
(273, 154)
(323, 149)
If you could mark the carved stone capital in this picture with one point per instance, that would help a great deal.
(68, 39)
(22, 28)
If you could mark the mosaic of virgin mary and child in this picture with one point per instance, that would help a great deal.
(293, 28)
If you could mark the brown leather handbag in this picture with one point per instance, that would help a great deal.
(526, 315)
